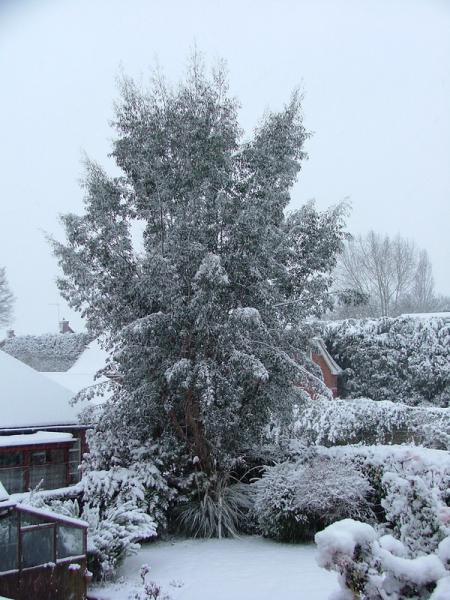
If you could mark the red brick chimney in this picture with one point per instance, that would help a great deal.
(64, 327)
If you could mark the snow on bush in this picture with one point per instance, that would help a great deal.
(408, 555)
(367, 421)
(48, 352)
(295, 500)
(404, 359)
(122, 505)
(373, 568)
(412, 490)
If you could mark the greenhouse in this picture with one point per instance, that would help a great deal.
(42, 554)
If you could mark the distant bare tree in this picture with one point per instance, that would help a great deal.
(379, 267)
(391, 273)
(6, 299)
(423, 289)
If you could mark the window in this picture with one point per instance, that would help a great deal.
(38, 546)
(74, 461)
(12, 474)
(70, 541)
(48, 465)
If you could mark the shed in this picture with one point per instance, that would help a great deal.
(42, 554)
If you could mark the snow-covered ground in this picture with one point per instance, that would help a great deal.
(249, 568)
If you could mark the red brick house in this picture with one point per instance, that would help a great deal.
(331, 371)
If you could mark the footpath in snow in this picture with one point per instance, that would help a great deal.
(248, 568)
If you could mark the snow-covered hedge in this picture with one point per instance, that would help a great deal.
(295, 500)
(375, 566)
(407, 556)
(48, 352)
(361, 420)
(404, 359)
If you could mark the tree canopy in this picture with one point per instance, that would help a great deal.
(205, 315)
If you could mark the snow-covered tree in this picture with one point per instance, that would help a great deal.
(6, 299)
(205, 320)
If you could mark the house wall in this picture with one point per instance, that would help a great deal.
(330, 380)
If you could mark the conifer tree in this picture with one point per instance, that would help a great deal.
(206, 320)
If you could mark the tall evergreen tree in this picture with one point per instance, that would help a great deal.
(206, 319)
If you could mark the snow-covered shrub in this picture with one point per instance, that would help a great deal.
(295, 500)
(376, 566)
(404, 359)
(48, 352)
(123, 505)
(367, 421)
(412, 489)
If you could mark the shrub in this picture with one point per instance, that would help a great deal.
(295, 500)
(372, 565)
(367, 421)
(403, 359)
(217, 509)
(411, 485)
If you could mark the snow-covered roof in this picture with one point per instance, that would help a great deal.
(81, 374)
(330, 362)
(29, 399)
(40, 437)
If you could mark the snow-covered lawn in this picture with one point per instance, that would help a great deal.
(249, 568)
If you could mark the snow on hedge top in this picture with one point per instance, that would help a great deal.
(29, 399)
(48, 352)
(402, 359)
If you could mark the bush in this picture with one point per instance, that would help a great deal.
(404, 359)
(217, 508)
(412, 489)
(369, 422)
(408, 556)
(373, 566)
(295, 500)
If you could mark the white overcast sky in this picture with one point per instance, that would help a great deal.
(376, 79)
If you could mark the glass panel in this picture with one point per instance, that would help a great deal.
(27, 519)
(54, 476)
(37, 547)
(39, 458)
(8, 542)
(56, 455)
(74, 461)
(11, 459)
(70, 541)
(13, 479)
